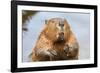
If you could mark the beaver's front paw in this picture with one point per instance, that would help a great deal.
(66, 48)
(71, 50)
(52, 52)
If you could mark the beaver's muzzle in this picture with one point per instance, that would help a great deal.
(61, 36)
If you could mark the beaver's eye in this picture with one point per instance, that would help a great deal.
(61, 25)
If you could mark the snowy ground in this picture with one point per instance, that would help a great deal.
(79, 22)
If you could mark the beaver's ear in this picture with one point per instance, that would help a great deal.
(46, 21)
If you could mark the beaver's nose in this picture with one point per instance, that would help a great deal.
(61, 34)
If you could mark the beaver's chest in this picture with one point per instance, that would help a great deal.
(59, 48)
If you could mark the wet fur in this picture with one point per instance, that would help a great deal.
(48, 48)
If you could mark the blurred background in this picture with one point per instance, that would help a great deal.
(33, 22)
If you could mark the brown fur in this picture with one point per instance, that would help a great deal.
(48, 48)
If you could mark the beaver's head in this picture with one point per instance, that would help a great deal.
(57, 29)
